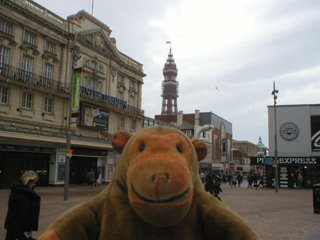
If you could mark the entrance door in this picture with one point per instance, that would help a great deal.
(78, 167)
(11, 168)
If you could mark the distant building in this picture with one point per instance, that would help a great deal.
(218, 140)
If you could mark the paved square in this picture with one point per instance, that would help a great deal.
(285, 215)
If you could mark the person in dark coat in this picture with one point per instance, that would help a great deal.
(91, 178)
(208, 183)
(216, 189)
(23, 208)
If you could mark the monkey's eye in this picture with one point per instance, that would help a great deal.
(142, 147)
(179, 148)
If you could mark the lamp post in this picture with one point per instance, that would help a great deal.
(75, 56)
(204, 128)
(274, 92)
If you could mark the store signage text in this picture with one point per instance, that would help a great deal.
(286, 160)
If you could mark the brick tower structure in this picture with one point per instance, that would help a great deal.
(170, 87)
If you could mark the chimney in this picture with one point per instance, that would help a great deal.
(179, 118)
(197, 118)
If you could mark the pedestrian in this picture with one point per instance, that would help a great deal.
(255, 180)
(216, 189)
(23, 208)
(292, 181)
(208, 183)
(85, 180)
(234, 181)
(91, 179)
(96, 176)
(250, 181)
(300, 180)
(239, 178)
(229, 179)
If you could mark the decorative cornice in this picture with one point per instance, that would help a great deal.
(9, 37)
(48, 55)
(27, 46)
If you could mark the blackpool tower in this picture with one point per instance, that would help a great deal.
(170, 87)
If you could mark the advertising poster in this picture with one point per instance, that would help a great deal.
(95, 117)
(110, 171)
(315, 133)
(76, 88)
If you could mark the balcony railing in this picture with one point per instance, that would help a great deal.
(21, 75)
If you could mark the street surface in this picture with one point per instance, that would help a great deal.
(285, 215)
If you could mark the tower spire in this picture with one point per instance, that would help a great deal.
(170, 86)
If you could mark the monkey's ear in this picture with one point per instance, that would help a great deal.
(200, 148)
(119, 140)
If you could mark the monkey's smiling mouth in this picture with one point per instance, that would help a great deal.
(160, 201)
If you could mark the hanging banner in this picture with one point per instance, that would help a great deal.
(315, 133)
(76, 89)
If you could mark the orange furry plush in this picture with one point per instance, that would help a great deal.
(155, 193)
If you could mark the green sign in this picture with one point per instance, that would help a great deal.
(76, 88)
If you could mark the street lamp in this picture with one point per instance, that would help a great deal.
(75, 56)
(204, 128)
(274, 92)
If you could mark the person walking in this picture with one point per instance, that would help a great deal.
(239, 178)
(216, 189)
(300, 180)
(96, 176)
(250, 181)
(234, 181)
(208, 182)
(23, 208)
(91, 179)
(255, 180)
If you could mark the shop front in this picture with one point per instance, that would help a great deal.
(289, 169)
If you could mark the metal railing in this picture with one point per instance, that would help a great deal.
(27, 77)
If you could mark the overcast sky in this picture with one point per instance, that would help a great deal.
(239, 46)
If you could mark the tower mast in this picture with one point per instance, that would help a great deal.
(170, 86)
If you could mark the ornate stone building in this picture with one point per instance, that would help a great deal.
(35, 84)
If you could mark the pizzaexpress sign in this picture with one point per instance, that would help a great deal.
(314, 161)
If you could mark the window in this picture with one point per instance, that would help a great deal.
(133, 124)
(131, 101)
(120, 95)
(121, 122)
(4, 57)
(5, 27)
(92, 84)
(4, 91)
(246, 161)
(100, 68)
(47, 75)
(50, 47)
(48, 105)
(85, 81)
(93, 65)
(27, 63)
(30, 38)
(26, 100)
(98, 86)
(236, 161)
(132, 84)
(87, 63)
(120, 79)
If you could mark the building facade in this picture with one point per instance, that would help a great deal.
(297, 131)
(35, 84)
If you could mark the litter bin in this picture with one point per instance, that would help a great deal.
(316, 198)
